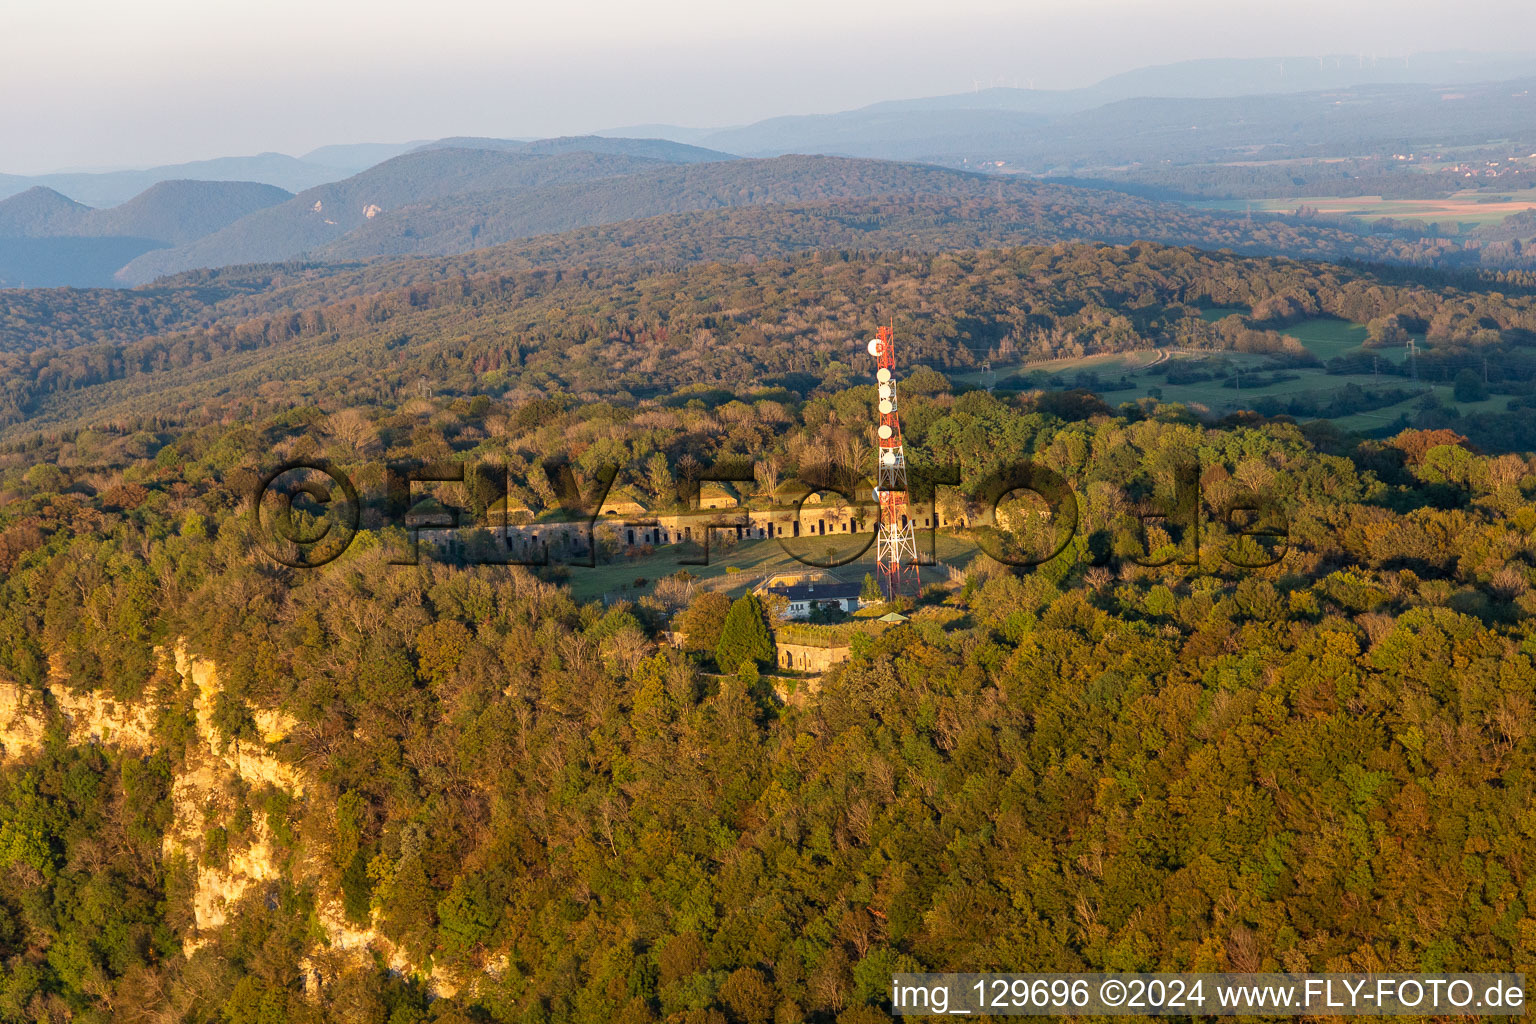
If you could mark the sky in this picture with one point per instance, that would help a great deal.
(103, 83)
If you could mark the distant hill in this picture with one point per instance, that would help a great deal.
(1201, 79)
(893, 129)
(449, 200)
(113, 187)
(264, 222)
(468, 217)
(327, 164)
(1320, 124)
(978, 213)
(858, 132)
(1002, 213)
(319, 216)
(653, 149)
(171, 212)
(887, 134)
(40, 213)
(176, 212)
(48, 240)
(460, 223)
(1247, 76)
(1126, 120)
(359, 156)
(674, 132)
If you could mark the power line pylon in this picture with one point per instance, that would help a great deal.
(896, 540)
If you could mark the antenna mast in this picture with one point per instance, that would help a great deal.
(895, 541)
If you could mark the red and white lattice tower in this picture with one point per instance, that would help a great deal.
(895, 541)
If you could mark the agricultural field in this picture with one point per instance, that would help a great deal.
(1468, 209)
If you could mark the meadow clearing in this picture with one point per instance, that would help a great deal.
(1229, 388)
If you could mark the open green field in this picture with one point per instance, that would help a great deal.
(1324, 337)
(1214, 396)
(1376, 419)
(1209, 394)
(1108, 365)
(1327, 338)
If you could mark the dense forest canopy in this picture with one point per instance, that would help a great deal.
(636, 333)
(457, 793)
(1072, 768)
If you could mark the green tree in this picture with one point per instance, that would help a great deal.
(658, 476)
(871, 592)
(46, 478)
(745, 637)
(24, 832)
(1469, 386)
(466, 915)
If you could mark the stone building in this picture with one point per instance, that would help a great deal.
(809, 657)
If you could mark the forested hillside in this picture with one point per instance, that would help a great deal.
(622, 334)
(39, 212)
(322, 214)
(388, 213)
(47, 239)
(532, 810)
(710, 574)
(238, 792)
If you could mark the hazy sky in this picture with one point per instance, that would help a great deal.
(86, 83)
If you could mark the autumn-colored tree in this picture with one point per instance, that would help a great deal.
(704, 619)
(1415, 443)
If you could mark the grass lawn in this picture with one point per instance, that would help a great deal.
(738, 569)
(1216, 398)
(1110, 364)
(1326, 337)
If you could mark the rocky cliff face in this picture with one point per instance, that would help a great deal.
(21, 722)
(206, 798)
(214, 767)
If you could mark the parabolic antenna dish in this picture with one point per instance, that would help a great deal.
(885, 408)
(884, 432)
(883, 375)
(875, 347)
